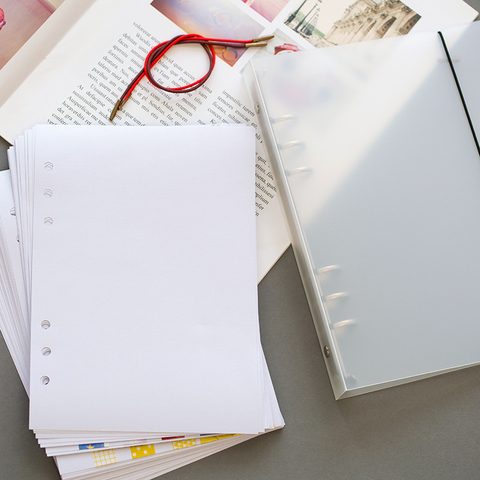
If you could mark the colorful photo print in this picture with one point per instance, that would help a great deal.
(19, 20)
(279, 45)
(268, 9)
(325, 23)
(212, 18)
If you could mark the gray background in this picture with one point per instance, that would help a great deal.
(428, 429)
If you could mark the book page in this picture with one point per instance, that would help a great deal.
(83, 83)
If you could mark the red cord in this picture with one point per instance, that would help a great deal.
(157, 52)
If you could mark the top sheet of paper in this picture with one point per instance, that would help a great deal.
(144, 265)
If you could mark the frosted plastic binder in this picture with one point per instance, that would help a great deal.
(377, 163)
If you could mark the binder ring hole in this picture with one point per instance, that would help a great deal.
(45, 380)
(48, 193)
(45, 324)
(282, 118)
(297, 170)
(48, 166)
(46, 351)
(293, 143)
(48, 220)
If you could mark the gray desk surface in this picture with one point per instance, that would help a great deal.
(428, 429)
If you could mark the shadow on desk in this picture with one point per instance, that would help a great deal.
(3, 154)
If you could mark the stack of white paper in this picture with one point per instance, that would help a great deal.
(138, 252)
(13, 309)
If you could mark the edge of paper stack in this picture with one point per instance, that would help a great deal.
(107, 453)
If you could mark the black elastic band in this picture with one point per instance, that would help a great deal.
(460, 91)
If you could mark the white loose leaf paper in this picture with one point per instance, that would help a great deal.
(144, 266)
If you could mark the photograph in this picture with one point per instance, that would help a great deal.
(268, 9)
(326, 23)
(281, 44)
(19, 20)
(213, 19)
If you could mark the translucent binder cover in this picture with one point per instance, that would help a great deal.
(380, 180)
